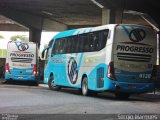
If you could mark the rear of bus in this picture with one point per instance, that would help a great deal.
(21, 62)
(134, 57)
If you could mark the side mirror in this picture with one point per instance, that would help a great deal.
(44, 51)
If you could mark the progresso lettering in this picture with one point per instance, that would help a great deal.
(134, 49)
(58, 60)
(21, 55)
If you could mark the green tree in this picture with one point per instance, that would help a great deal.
(23, 38)
(1, 37)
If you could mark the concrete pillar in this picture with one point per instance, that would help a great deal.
(158, 48)
(105, 16)
(110, 16)
(35, 35)
(51, 25)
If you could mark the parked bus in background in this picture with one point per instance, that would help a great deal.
(21, 61)
(118, 58)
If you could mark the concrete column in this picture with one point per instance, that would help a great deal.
(105, 16)
(35, 36)
(158, 48)
(118, 16)
(51, 25)
(110, 16)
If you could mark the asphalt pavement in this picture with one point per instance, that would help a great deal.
(30, 102)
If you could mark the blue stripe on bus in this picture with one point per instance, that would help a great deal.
(125, 29)
(80, 61)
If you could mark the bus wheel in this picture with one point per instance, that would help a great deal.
(122, 95)
(84, 87)
(51, 84)
(36, 83)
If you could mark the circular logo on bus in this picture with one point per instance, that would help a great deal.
(137, 35)
(72, 70)
(23, 46)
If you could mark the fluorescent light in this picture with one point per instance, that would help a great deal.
(133, 12)
(98, 4)
(146, 17)
(150, 21)
(47, 13)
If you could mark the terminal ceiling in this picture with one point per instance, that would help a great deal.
(77, 12)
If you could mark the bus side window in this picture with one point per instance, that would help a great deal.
(50, 43)
(85, 42)
(57, 47)
(73, 45)
(81, 43)
(69, 45)
(91, 42)
(95, 41)
(100, 39)
(103, 38)
(61, 46)
(77, 44)
(53, 49)
(65, 45)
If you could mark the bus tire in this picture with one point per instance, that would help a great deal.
(51, 84)
(36, 83)
(84, 87)
(122, 95)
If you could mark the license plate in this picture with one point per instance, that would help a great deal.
(20, 77)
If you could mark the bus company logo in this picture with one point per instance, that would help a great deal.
(22, 46)
(72, 70)
(137, 35)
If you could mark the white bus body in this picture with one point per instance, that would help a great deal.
(21, 61)
(117, 58)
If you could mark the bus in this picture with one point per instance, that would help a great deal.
(21, 61)
(118, 58)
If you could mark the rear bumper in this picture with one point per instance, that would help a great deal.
(132, 87)
(20, 77)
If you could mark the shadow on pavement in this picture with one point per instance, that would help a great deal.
(147, 97)
(10, 82)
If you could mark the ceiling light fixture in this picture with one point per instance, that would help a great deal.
(47, 13)
(98, 4)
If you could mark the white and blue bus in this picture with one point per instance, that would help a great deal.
(21, 61)
(118, 58)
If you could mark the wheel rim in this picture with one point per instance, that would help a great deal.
(52, 82)
(84, 88)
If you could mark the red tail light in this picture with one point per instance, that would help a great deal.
(34, 69)
(7, 68)
(110, 73)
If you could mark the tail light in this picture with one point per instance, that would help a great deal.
(34, 69)
(7, 68)
(110, 73)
